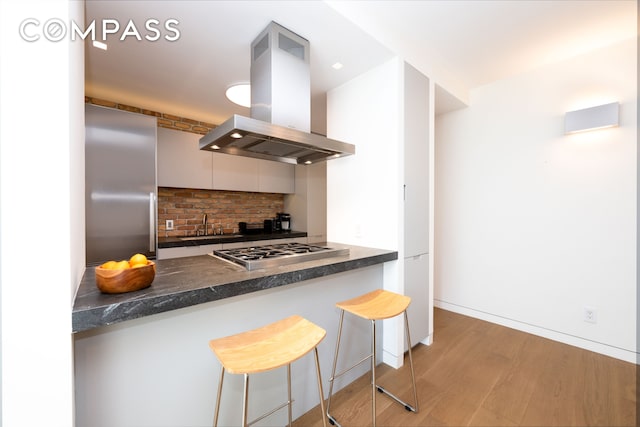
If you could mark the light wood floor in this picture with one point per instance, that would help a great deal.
(480, 374)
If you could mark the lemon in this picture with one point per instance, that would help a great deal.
(138, 260)
(109, 265)
(122, 265)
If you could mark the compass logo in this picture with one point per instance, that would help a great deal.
(56, 29)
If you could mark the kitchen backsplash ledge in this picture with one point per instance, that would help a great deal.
(186, 207)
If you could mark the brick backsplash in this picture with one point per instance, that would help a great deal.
(165, 120)
(186, 208)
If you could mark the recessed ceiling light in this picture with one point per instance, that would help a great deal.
(236, 135)
(99, 45)
(240, 94)
(308, 162)
(337, 66)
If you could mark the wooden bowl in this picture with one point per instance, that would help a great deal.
(129, 280)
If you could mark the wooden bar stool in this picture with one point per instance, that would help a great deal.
(266, 348)
(376, 305)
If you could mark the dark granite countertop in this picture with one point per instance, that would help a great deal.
(176, 242)
(184, 282)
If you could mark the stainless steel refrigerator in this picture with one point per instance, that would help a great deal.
(120, 180)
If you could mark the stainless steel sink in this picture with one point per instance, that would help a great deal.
(215, 237)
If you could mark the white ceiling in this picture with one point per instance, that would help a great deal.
(461, 44)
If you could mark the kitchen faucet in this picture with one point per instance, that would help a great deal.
(204, 223)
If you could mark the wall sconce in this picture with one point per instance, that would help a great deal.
(602, 116)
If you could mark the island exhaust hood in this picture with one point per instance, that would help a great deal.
(280, 122)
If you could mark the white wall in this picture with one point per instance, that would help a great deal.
(41, 186)
(308, 205)
(532, 225)
(364, 191)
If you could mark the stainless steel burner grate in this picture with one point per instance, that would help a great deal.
(277, 254)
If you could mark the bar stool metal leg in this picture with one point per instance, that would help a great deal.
(407, 406)
(320, 391)
(246, 401)
(289, 392)
(215, 416)
(373, 372)
(413, 376)
(333, 371)
(332, 420)
(385, 305)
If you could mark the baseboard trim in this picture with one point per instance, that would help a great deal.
(392, 360)
(428, 340)
(607, 350)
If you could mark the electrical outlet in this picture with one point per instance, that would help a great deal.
(168, 225)
(590, 315)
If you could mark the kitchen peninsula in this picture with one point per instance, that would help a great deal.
(184, 282)
(142, 358)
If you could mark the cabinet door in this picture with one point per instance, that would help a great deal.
(185, 251)
(251, 243)
(234, 173)
(181, 163)
(416, 286)
(276, 177)
(416, 162)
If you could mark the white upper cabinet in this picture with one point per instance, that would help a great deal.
(180, 161)
(248, 174)
(275, 177)
(182, 164)
(235, 173)
(416, 162)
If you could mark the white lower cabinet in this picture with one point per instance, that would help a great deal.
(236, 245)
(416, 284)
(184, 251)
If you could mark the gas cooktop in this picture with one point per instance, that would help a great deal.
(277, 254)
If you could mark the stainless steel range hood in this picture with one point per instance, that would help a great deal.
(279, 127)
(264, 140)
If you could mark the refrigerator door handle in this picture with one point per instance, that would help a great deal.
(152, 223)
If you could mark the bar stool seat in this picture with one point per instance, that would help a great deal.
(266, 348)
(376, 305)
